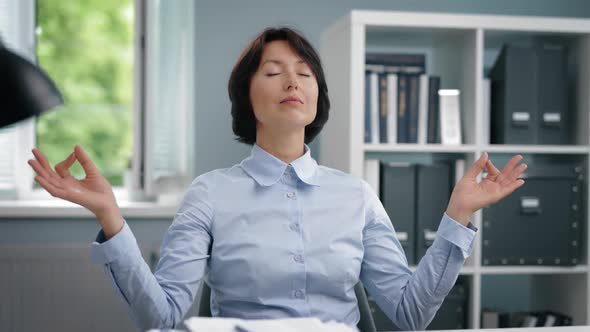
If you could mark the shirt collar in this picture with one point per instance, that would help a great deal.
(267, 169)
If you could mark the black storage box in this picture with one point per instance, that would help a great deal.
(540, 223)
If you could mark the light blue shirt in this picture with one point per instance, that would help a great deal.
(277, 240)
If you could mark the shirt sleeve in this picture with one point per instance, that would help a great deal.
(160, 300)
(409, 299)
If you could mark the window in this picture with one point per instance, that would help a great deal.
(126, 69)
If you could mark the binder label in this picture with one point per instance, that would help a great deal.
(529, 202)
(402, 236)
(551, 117)
(521, 116)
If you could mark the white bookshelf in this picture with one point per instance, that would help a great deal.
(460, 48)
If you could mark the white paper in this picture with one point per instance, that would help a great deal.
(311, 324)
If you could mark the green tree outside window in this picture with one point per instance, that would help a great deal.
(87, 48)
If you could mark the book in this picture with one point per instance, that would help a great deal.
(374, 107)
(402, 109)
(423, 109)
(450, 116)
(392, 108)
(383, 108)
(396, 62)
(412, 108)
(368, 99)
(433, 101)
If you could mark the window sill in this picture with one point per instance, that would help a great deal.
(54, 208)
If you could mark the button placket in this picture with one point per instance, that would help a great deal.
(299, 294)
(298, 258)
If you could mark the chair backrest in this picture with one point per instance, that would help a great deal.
(205, 302)
(365, 324)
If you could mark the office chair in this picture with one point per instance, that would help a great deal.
(365, 324)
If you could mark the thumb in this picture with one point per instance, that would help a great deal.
(63, 168)
(85, 161)
(478, 166)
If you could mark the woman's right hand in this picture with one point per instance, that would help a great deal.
(93, 192)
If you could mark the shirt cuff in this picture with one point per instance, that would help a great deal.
(122, 247)
(459, 235)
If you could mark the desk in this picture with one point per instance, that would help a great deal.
(585, 328)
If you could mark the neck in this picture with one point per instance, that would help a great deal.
(286, 147)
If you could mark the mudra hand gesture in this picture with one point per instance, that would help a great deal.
(93, 192)
(469, 196)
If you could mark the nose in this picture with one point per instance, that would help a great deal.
(291, 82)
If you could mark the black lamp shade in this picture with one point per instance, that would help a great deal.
(25, 90)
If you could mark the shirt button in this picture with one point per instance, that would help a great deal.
(299, 294)
(295, 227)
(298, 258)
(291, 195)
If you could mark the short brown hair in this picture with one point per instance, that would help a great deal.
(244, 120)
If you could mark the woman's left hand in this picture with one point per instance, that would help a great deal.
(469, 196)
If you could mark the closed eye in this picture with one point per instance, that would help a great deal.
(272, 74)
(305, 75)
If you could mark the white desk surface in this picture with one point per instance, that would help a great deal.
(585, 328)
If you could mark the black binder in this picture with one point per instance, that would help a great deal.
(514, 97)
(452, 313)
(397, 195)
(553, 118)
(529, 96)
(433, 184)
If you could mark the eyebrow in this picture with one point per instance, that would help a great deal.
(279, 62)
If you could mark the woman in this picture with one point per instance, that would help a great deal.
(277, 235)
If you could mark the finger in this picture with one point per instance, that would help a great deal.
(510, 177)
(34, 163)
(42, 172)
(85, 161)
(511, 164)
(477, 166)
(492, 170)
(63, 168)
(53, 190)
(510, 188)
(44, 163)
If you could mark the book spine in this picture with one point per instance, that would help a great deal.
(383, 111)
(423, 109)
(412, 105)
(433, 86)
(367, 107)
(402, 130)
(392, 108)
(374, 108)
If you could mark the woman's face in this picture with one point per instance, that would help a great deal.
(284, 90)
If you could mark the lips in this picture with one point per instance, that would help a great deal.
(291, 100)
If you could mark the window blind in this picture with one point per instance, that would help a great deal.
(170, 105)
